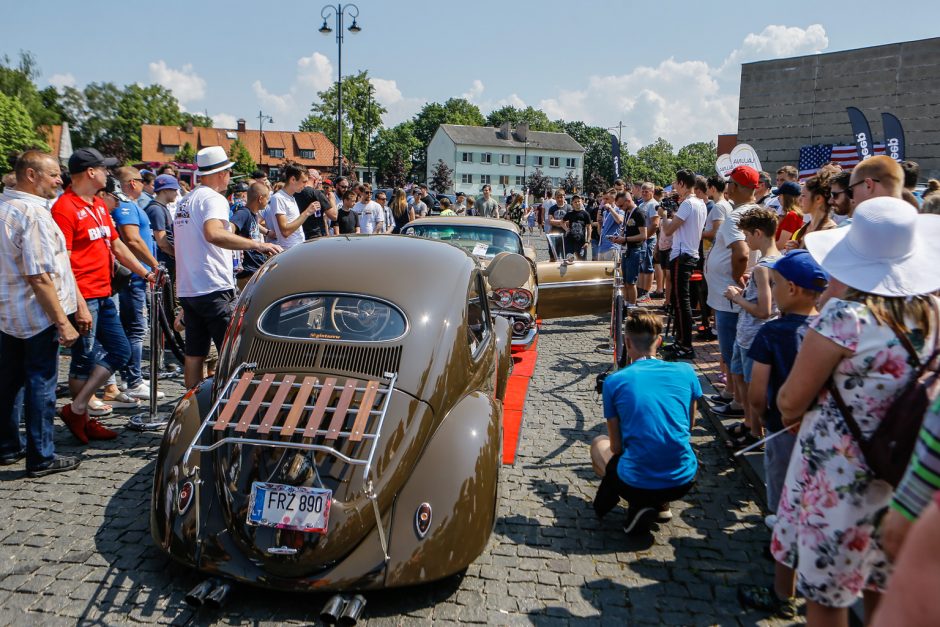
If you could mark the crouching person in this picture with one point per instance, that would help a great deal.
(647, 458)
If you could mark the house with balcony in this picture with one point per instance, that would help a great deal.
(269, 149)
(503, 157)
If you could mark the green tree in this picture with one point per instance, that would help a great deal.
(432, 115)
(571, 183)
(442, 178)
(196, 119)
(598, 155)
(139, 105)
(238, 152)
(699, 157)
(186, 154)
(17, 131)
(536, 118)
(391, 144)
(362, 115)
(19, 82)
(655, 162)
(539, 185)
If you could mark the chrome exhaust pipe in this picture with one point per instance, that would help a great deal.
(352, 611)
(197, 596)
(332, 610)
(219, 595)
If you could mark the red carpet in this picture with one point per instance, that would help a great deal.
(523, 367)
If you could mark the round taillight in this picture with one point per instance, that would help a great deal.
(519, 327)
(521, 298)
(423, 519)
(503, 298)
(185, 497)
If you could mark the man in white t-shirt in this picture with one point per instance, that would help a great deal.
(686, 231)
(371, 214)
(283, 217)
(203, 245)
(726, 265)
(547, 211)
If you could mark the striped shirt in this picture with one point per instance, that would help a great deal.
(30, 244)
(922, 479)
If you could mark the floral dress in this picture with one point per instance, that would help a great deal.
(831, 503)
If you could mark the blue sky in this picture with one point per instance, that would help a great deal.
(667, 68)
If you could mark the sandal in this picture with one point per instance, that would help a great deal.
(743, 442)
(765, 598)
(98, 408)
(738, 431)
(123, 401)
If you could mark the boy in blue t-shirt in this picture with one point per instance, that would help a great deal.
(647, 457)
(796, 283)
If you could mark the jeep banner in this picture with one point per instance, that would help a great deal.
(894, 137)
(864, 143)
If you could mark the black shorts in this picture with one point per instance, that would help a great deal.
(662, 257)
(612, 489)
(206, 318)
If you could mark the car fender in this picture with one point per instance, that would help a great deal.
(169, 526)
(503, 334)
(458, 477)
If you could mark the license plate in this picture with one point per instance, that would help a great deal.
(289, 507)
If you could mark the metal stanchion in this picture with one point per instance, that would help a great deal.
(149, 421)
(609, 348)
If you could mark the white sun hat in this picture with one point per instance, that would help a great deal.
(212, 159)
(889, 249)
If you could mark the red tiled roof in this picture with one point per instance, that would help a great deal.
(152, 142)
(53, 137)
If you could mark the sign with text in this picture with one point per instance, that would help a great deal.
(742, 154)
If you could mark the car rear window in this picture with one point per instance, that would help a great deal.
(334, 317)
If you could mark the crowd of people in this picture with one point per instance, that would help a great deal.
(820, 294)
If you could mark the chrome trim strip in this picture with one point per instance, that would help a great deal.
(526, 340)
(586, 283)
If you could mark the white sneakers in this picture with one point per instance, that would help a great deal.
(142, 391)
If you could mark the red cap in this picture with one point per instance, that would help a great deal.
(745, 176)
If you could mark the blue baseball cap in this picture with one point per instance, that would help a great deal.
(165, 181)
(789, 188)
(799, 267)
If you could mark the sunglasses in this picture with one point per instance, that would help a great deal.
(848, 193)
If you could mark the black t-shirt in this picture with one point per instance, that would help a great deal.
(632, 223)
(313, 225)
(595, 230)
(246, 225)
(347, 220)
(578, 221)
(160, 220)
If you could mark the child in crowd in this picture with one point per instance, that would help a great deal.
(759, 226)
(797, 281)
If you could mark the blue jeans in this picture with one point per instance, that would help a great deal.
(105, 345)
(727, 327)
(28, 371)
(630, 260)
(646, 261)
(133, 314)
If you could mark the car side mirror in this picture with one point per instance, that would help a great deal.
(507, 270)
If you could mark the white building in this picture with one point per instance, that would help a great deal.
(503, 157)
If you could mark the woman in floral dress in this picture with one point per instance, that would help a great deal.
(832, 504)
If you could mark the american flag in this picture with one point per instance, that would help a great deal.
(814, 157)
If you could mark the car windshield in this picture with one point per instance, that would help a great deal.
(480, 241)
(333, 317)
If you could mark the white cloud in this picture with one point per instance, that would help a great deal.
(224, 120)
(681, 101)
(185, 84)
(398, 108)
(475, 91)
(314, 73)
(475, 95)
(776, 41)
(60, 81)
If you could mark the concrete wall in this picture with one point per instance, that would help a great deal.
(788, 103)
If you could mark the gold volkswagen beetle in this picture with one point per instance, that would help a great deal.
(351, 437)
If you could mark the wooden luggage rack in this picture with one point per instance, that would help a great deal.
(279, 407)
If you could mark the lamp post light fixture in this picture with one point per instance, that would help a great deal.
(338, 12)
(262, 118)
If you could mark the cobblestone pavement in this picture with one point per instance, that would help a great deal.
(75, 548)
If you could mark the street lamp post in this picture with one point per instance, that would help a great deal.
(262, 118)
(338, 11)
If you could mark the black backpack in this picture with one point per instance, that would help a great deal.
(889, 449)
